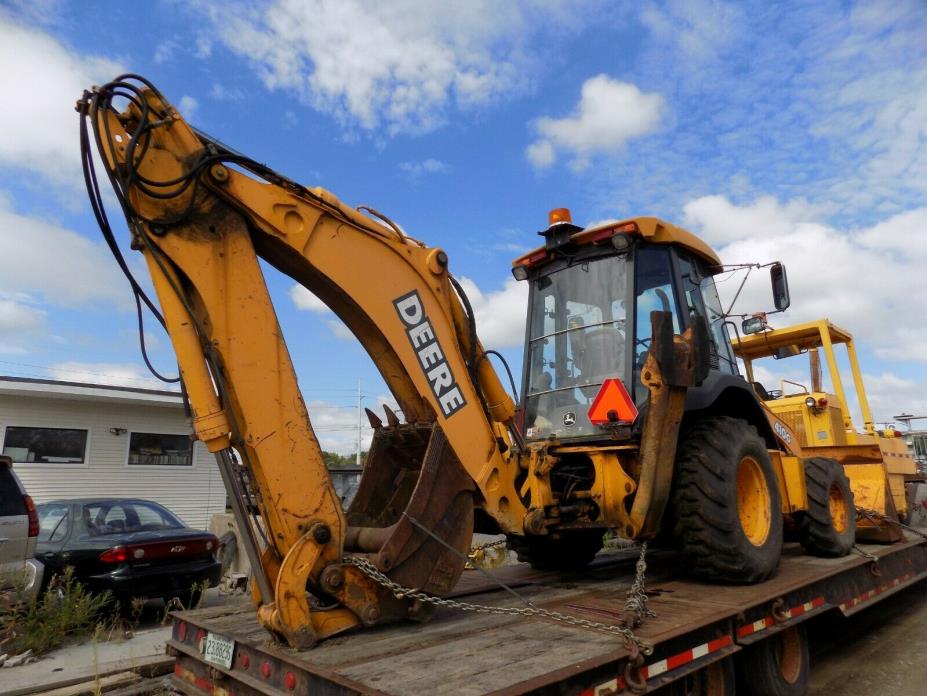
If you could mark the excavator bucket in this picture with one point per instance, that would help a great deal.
(413, 512)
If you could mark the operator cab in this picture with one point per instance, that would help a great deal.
(590, 298)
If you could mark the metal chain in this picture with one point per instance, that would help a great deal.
(632, 642)
(487, 545)
(873, 515)
(865, 554)
(636, 601)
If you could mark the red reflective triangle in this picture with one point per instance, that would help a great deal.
(612, 398)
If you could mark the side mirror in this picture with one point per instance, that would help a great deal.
(780, 287)
(753, 325)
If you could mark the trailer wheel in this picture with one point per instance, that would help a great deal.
(716, 679)
(569, 551)
(829, 524)
(727, 511)
(776, 666)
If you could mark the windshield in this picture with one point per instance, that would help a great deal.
(576, 341)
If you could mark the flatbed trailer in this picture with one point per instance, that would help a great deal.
(697, 626)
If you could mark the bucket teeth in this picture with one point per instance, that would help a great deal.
(375, 421)
(391, 416)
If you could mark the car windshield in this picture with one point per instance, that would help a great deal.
(126, 516)
(576, 341)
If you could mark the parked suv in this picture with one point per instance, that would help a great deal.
(19, 528)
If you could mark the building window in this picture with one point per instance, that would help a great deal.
(45, 445)
(158, 449)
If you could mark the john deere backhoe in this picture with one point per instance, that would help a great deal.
(623, 318)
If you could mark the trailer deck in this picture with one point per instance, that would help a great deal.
(696, 624)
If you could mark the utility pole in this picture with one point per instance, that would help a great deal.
(358, 460)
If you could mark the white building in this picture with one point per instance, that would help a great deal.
(70, 440)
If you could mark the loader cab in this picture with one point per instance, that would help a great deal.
(591, 293)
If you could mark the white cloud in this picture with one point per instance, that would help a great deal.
(165, 50)
(541, 154)
(203, 46)
(37, 11)
(20, 322)
(57, 265)
(890, 395)
(188, 106)
(115, 374)
(220, 92)
(428, 166)
(867, 281)
(304, 299)
(17, 316)
(500, 314)
(400, 66)
(339, 329)
(609, 113)
(699, 29)
(38, 132)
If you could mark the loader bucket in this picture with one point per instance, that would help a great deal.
(871, 492)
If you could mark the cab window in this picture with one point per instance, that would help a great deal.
(654, 290)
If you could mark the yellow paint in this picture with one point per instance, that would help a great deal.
(754, 505)
(790, 475)
(868, 483)
(837, 506)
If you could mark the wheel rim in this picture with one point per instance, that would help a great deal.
(837, 505)
(788, 655)
(753, 503)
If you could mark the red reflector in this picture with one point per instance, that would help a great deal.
(117, 554)
(33, 516)
(265, 669)
(182, 630)
(289, 680)
(245, 661)
(612, 404)
(822, 402)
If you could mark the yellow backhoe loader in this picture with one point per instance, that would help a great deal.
(633, 415)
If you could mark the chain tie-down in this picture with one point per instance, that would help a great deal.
(635, 644)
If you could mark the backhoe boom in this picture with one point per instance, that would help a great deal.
(202, 225)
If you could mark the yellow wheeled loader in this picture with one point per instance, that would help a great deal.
(817, 425)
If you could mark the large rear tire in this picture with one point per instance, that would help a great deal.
(829, 525)
(566, 551)
(726, 506)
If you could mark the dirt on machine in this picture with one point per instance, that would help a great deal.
(633, 417)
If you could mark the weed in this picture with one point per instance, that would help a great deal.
(66, 609)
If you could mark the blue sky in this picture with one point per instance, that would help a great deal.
(792, 131)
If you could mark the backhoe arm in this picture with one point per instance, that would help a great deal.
(202, 223)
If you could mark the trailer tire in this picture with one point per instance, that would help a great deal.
(726, 506)
(776, 666)
(716, 679)
(829, 524)
(570, 551)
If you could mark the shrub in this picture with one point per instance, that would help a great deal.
(66, 609)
